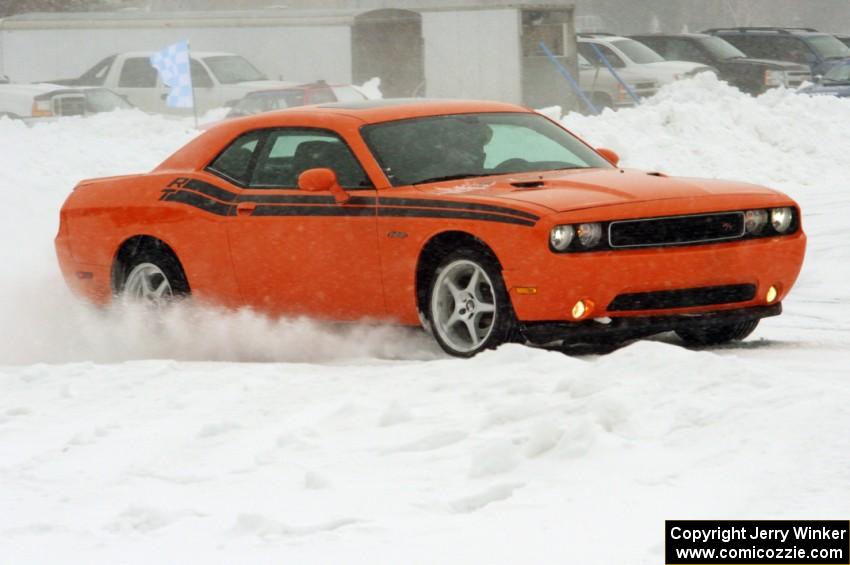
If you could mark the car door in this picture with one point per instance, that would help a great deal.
(298, 253)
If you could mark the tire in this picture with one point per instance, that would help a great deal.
(602, 101)
(152, 276)
(717, 334)
(469, 315)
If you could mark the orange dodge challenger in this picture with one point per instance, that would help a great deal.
(484, 222)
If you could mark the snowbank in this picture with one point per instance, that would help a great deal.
(367, 445)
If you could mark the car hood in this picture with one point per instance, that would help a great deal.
(767, 63)
(677, 67)
(564, 191)
(840, 89)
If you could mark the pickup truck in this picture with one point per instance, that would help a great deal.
(219, 79)
(44, 102)
(749, 74)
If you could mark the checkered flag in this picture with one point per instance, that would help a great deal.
(173, 66)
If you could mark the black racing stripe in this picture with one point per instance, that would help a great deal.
(336, 210)
(456, 204)
(227, 196)
(453, 214)
(221, 209)
(199, 201)
(306, 199)
(211, 190)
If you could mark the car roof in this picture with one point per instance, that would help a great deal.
(339, 115)
(310, 86)
(678, 35)
(766, 30)
(600, 37)
(195, 54)
(389, 109)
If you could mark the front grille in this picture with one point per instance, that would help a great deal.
(796, 78)
(678, 230)
(683, 298)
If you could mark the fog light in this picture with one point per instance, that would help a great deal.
(582, 309)
(772, 294)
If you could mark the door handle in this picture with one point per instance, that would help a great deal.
(245, 208)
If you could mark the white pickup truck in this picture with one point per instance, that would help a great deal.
(218, 79)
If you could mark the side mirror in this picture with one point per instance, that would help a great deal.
(818, 78)
(609, 155)
(323, 180)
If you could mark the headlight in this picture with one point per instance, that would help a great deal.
(781, 219)
(561, 237)
(589, 235)
(773, 77)
(755, 220)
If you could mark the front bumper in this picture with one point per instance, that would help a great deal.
(622, 329)
(560, 280)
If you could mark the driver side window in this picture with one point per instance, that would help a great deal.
(590, 54)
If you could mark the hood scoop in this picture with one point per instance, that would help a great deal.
(529, 184)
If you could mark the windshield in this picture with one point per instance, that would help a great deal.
(230, 69)
(637, 52)
(828, 47)
(472, 145)
(103, 100)
(720, 48)
(838, 73)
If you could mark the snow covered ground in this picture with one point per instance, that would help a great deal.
(224, 437)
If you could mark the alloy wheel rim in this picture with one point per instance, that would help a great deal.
(463, 305)
(147, 283)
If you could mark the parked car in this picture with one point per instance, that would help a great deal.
(753, 76)
(625, 53)
(302, 95)
(605, 91)
(485, 221)
(836, 82)
(806, 46)
(218, 79)
(34, 102)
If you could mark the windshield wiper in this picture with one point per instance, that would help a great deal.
(452, 177)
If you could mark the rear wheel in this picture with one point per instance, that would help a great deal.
(717, 334)
(153, 276)
(468, 309)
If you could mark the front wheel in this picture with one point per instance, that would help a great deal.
(717, 334)
(469, 310)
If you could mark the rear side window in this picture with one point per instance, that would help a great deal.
(137, 73)
(234, 163)
(96, 76)
(289, 152)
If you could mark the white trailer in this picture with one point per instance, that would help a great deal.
(453, 52)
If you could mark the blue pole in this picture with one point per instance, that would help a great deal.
(567, 75)
(605, 62)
